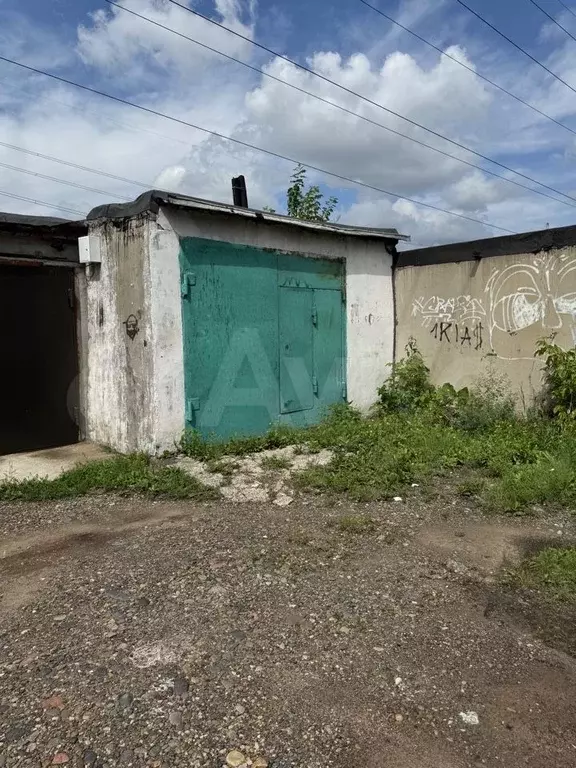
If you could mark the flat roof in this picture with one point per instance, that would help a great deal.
(154, 199)
(505, 245)
(44, 225)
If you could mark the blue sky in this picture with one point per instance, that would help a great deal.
(87, 41)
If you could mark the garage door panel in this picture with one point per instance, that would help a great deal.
(296, 350)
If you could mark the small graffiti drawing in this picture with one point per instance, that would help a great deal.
(453, 309)
(132, 326)
(457, 333)
(522, 296)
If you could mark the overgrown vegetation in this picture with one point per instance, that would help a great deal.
(308, 204)
(275, 462)
(552, 572)
(409, 389)
(355, 524)
(121, 474)
(279, 436)
(223, 467)
(559, 397)
(512, 461)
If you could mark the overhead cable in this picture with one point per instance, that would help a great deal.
(518, 47)
(470, 69)
(552, 19)
(346, 110)
(41, 202)
(73, 165)
(247, 145)
(370, 101)
(62, 181)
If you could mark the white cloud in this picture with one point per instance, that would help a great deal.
(116, 38)
(157, 69)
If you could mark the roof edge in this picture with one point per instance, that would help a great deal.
(152, 201)
(475, 250)
(55, 227)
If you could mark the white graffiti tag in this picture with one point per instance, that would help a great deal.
(452, 309)
(453, 320)
(522, 296)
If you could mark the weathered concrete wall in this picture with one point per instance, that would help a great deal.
(485, 315)
(369, 293)
(118, 354)
(133, 384)
(167, 349)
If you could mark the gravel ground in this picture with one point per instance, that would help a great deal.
(175, 634)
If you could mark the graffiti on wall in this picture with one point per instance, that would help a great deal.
(454, 333)
(454, 309)
(452, 320)
(521, 303)
(132, 326)
(530, 301)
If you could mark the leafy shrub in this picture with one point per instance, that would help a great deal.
(409, 384)
(409, 388)
(486, 404)
(559, 395)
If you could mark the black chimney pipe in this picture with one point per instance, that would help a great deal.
(239, 194)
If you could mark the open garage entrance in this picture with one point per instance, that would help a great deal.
(39, 356)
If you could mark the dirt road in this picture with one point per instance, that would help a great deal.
(169, 634)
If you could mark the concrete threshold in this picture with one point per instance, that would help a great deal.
(48, 463)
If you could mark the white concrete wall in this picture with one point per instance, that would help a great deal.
(369, 292)
(167, 338)
(118, 377)
(133, 389)
(370, 321)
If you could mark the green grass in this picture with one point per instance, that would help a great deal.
(122, 474)
(515, 463)
(355, 524)
(549, 480)
(472, 486)
(222, 467)
(275, 462)
(552, 571)
(194, 445)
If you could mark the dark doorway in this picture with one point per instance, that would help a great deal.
(39, 358)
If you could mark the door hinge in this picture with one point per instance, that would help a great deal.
(192, 404)
(315, 385)
(344, 391)
(314, 316)
(188, 279)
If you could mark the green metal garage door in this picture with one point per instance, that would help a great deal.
(263, 337)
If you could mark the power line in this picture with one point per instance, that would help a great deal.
(567, 8)
(346, 110)
(41, 202)
(74, 165)
(269, 152)
(518, 47)
(552, 19)
(470, 69)
(61, 181)
(108, 119)
(369, 101)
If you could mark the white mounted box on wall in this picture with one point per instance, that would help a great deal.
(89, 249)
